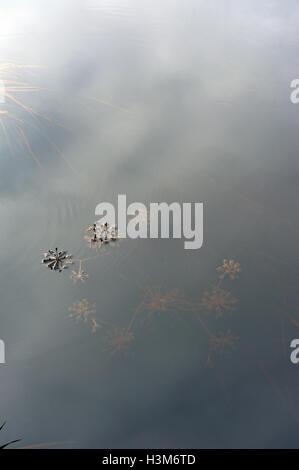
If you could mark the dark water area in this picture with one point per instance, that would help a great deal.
(185, 101)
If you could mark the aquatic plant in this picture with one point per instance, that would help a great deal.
(79, 275)
(56, 260)
(3, 446)
(229, 268)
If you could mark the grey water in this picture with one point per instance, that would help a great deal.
(185, 101)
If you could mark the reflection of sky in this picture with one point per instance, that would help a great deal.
(198, 110)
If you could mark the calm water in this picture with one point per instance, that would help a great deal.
(163, 101)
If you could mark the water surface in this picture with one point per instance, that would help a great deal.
(162, 101)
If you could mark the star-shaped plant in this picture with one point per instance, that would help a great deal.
(57, 260)
(229, 268)
(80, 275)
(219, 300)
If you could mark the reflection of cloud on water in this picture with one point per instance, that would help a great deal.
(213, 104)
(17, 119)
